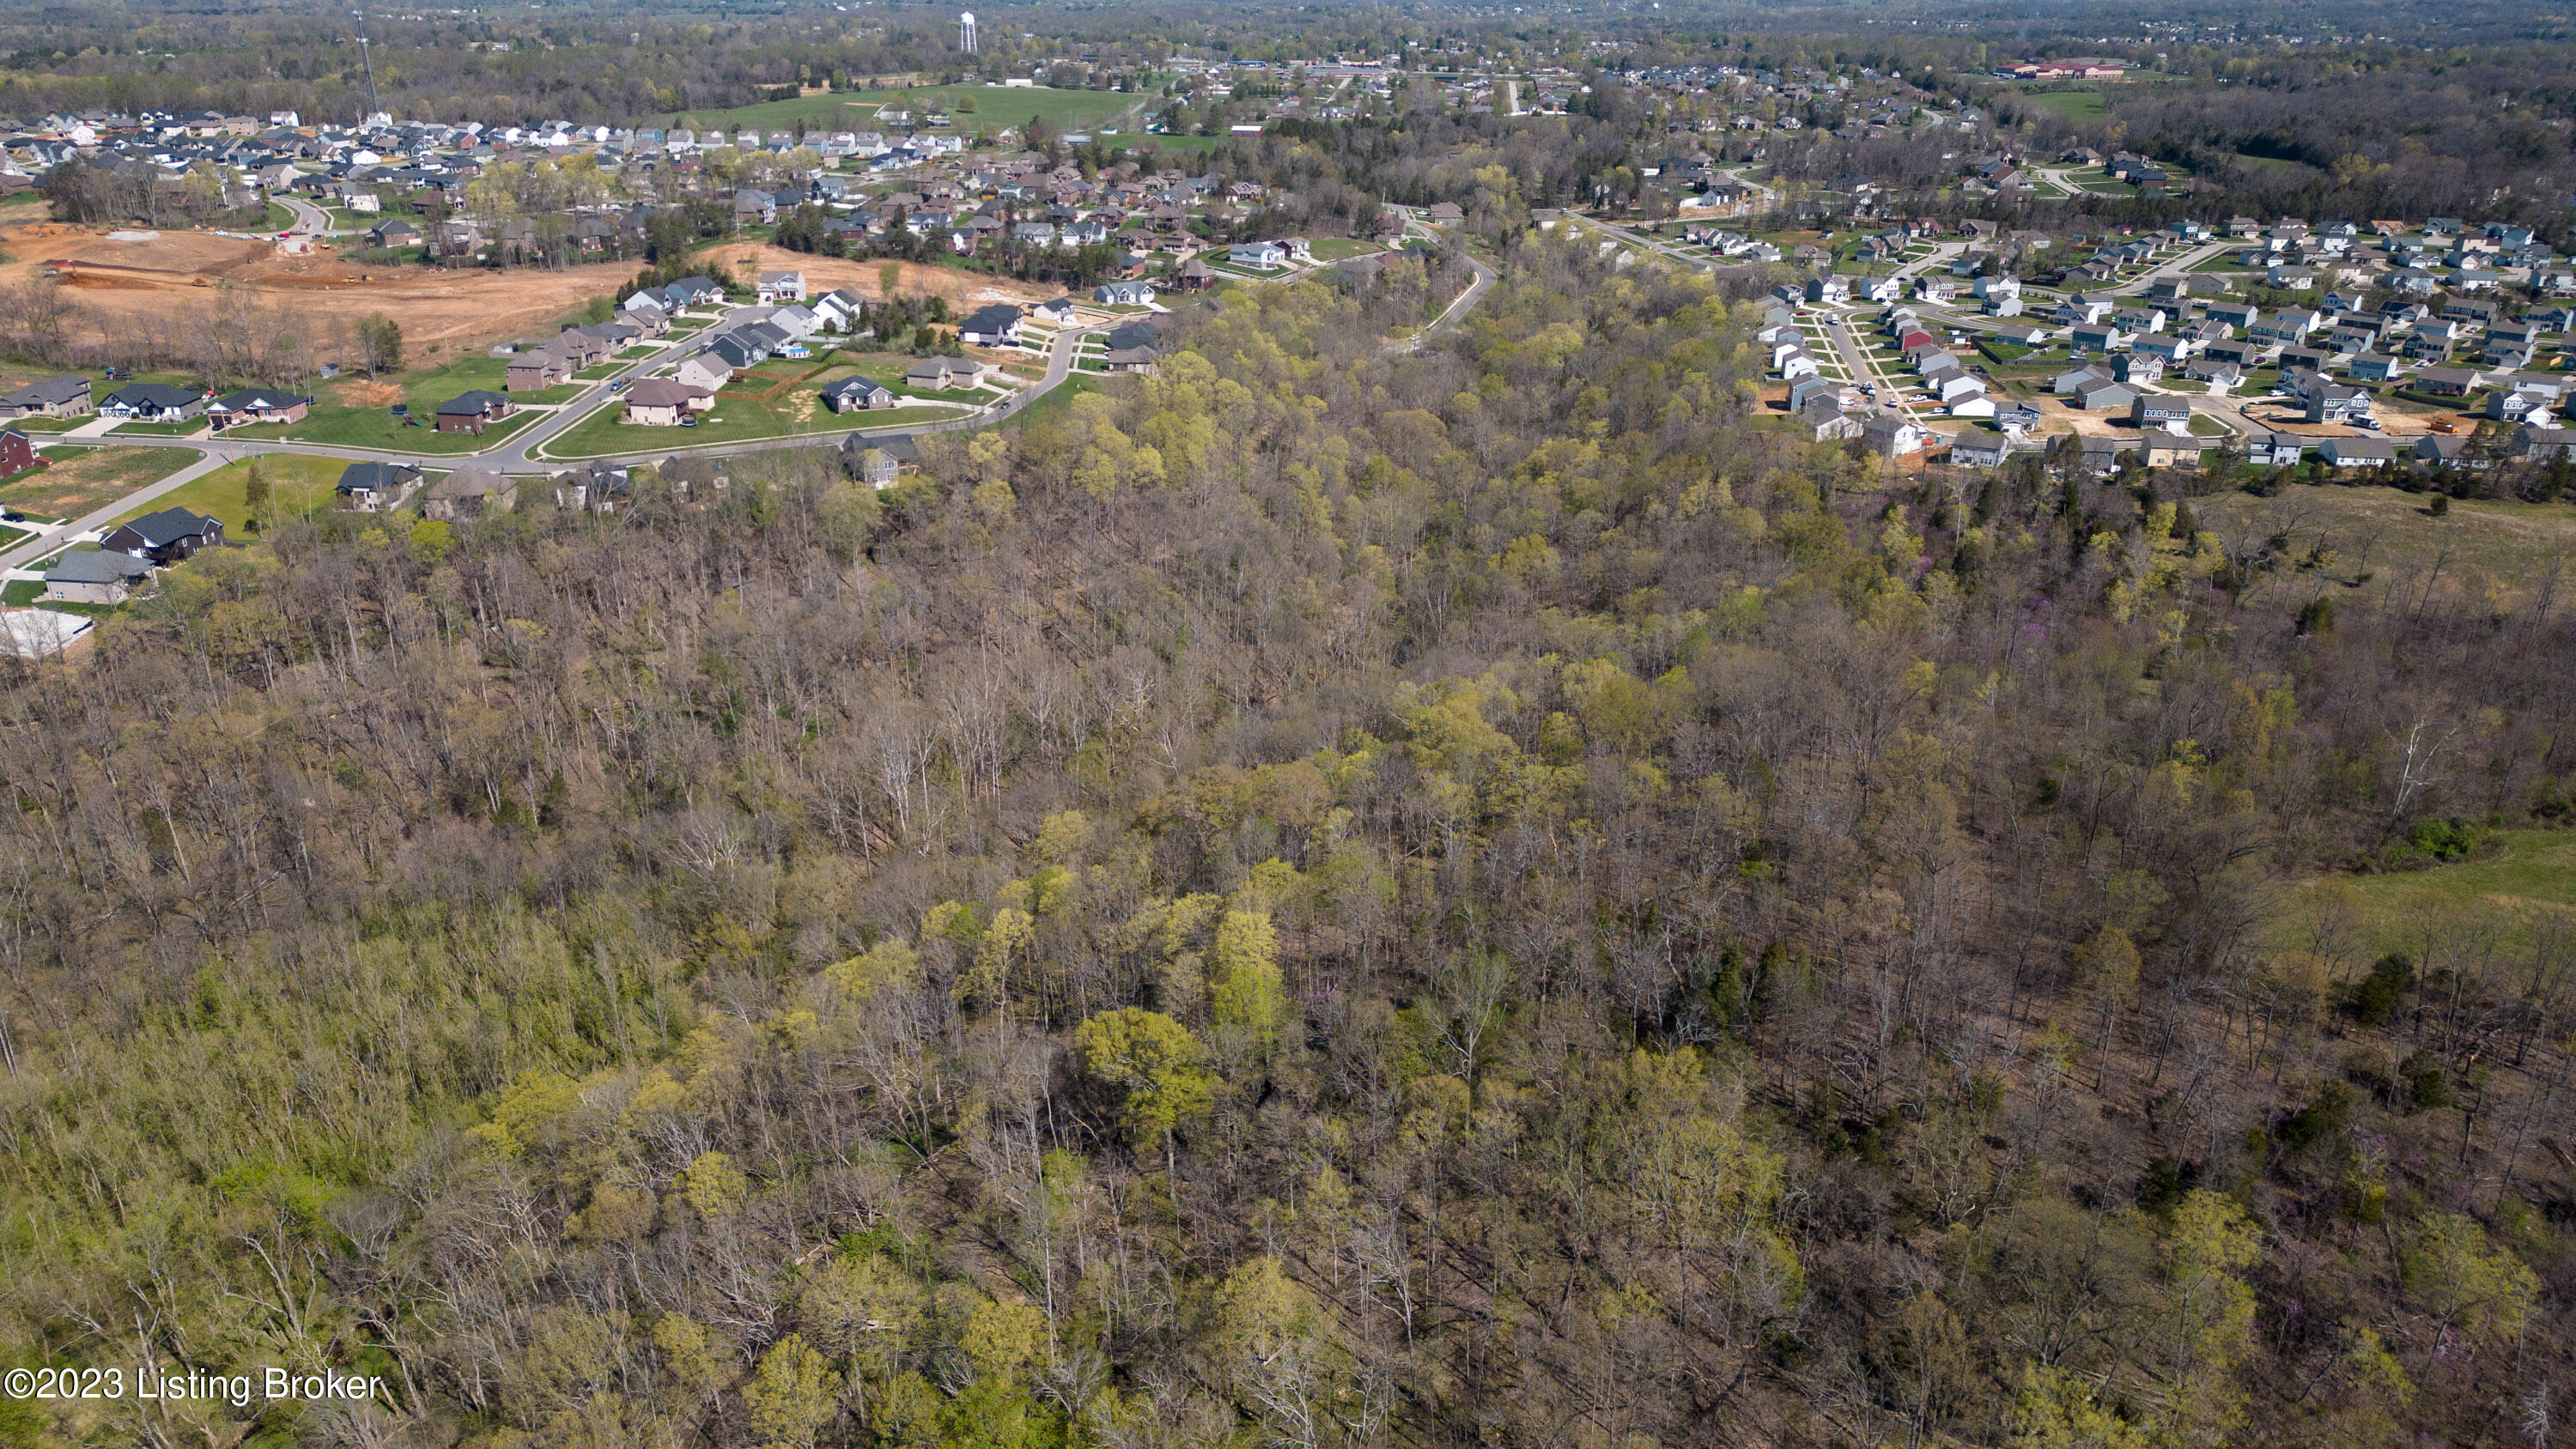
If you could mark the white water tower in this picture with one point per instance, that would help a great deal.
(966, 32)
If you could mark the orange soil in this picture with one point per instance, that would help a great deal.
(824, 274)
(442, 313)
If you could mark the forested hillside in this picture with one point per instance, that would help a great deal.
(1485, 896)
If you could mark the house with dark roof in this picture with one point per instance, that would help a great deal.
(994, 326)
(257, 405)
(154, 402)
(66, 396)
(876, 461)
(857, 394)
(376, 487)
(472, 412)
(166, 537)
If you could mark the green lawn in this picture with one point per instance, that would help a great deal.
(1342, 248)
(379, 428)
(856, 110)
(2073, 105)
(297, 484)
(338, 421)
(605, 432)
(158, 430)
(2522, 875)
(594, 374)
(85, 479)
(45, 425)
(639, 352)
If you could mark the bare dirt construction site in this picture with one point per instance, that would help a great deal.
(442, 312)
(824, 274)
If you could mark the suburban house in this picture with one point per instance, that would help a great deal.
(165, 537)
(66, 396)
(1897, 437)
(781, 287)
(469, 492)
(2169, 412)
(1257, 254)
(376, 487)
(1123, 294)
(2442, 450)
(876, 461)
(938, 374)
(17, 453)
(857, 394)
(661, 402)
(2356, 452)
(536, 371)
(2334, 403)
(95, 576)
(257, 405)
(1057, 312)
(471, 412)
(2536, 442)
(994, 326)
(2104, 396)
(703, 369)
(2449, 381)
(154, 402)
(740, 350)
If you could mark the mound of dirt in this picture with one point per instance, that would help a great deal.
(360, 393)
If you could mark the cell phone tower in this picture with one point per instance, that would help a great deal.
(367, 58)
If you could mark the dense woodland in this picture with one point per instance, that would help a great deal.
(1345, 897)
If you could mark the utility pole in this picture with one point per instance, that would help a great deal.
(366, 59)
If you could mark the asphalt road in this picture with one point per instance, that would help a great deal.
(310, 220)
(521, 452)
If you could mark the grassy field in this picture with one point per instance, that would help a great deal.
(856, 110)
(1342, 248)
(2073, 105)
(297, 485)
(2497, 552)
(377, 428)
(84, 480)
(158, 430)
(356, 413)
(2523, 875)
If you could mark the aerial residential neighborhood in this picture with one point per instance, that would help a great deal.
(828, 724)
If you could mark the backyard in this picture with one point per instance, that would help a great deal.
(297, 484)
